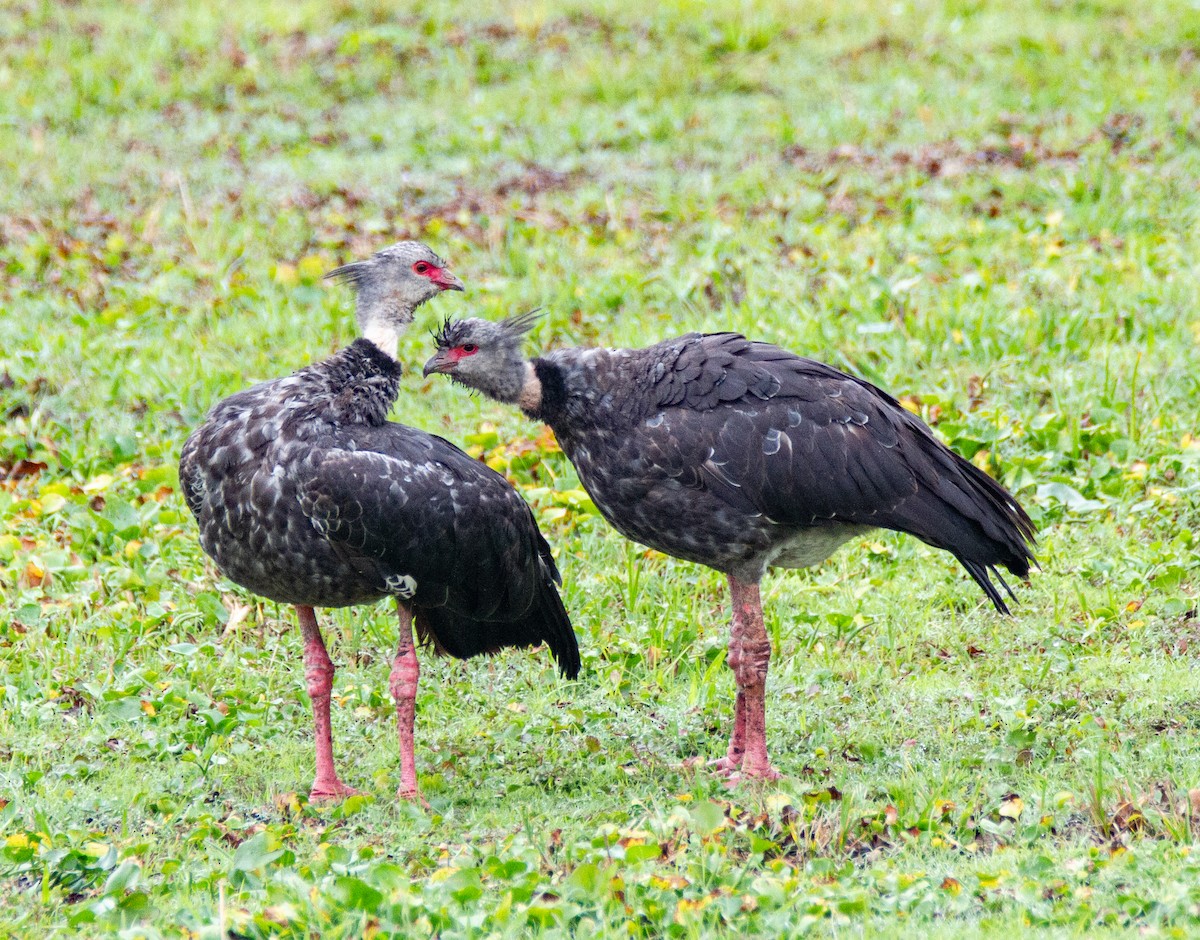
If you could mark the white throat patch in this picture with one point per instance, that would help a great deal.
(384, 335)
(530, 398)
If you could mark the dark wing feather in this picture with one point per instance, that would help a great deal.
(408, 505)
(803, 444)
(191, 476)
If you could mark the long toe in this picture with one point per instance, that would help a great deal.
(724, 766)
(737, 779)
(412, 795)
(331, 792)
(753, 773)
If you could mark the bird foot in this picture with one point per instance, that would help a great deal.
(748, 774)
(724, 766)
(412, 795)
(333, 792)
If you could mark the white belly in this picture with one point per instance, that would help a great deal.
(812, 546)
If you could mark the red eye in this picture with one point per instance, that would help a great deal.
(470, 348)
(421, 267)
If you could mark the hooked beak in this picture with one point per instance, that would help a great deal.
(447, 281)
(439, 363)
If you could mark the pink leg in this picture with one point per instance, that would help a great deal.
(318, 672)
(405, 673)
(754, 655)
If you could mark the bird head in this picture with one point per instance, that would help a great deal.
(484, 354)
(389, 287)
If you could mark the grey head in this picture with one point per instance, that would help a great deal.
(391, 284)
(484, 354)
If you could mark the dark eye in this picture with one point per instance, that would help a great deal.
(420, 267)
(470, 348)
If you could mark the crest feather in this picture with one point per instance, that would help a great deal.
(521, 323)
(353, 273)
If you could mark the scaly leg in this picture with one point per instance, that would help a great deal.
(405, 673)
(754, 655)
(318, 672)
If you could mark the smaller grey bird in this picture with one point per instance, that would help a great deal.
(305, 493)
(743, 456)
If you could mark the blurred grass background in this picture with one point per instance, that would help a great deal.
(989, 209)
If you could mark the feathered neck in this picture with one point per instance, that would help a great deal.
(362, 383)
(544, 395)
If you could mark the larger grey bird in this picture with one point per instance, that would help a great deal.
(305, 493)
(742, 456)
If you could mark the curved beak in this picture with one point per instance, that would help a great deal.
(447, 281)
(439, 363)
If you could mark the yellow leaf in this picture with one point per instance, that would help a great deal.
(286, 275)
(288, 802)
(1011, 808)
(148, 708)
(687, 906)
(35, 572)
(442, 874)
(131, 548)
(98, 484)
(52, 502)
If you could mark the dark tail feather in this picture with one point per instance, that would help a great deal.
(977, 520)
(1011, 533)
(980, 574)
(558, 632)
(463, 636)
(1004, 584)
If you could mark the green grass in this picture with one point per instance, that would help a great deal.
(990, 209)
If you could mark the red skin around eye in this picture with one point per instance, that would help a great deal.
(456, 353)
(439, 276)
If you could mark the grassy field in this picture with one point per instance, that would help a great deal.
(991, 209)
